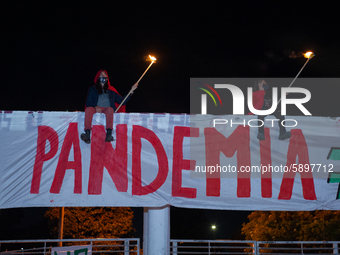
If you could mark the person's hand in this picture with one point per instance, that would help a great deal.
(98, 110)
(134, 87)
(261, 86)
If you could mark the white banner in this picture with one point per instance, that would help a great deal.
(72, 250)
(159, 159)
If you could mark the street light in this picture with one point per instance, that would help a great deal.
(213, 227)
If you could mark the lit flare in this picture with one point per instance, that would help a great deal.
(153, 59)
(309, 54)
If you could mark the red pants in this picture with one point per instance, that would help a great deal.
(89, 111)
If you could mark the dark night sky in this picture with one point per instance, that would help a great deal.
(51, 50)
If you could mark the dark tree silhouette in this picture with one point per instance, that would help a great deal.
(292, 226)
(92, 222)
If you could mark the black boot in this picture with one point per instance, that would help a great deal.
(260, 135)
(283, 133)
(109, 137)
(86, 137)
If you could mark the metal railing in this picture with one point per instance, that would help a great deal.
(129, 246)
(126, 246)
(211, 247)
(231, 247)
(302, 247)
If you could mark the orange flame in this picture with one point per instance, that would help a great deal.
(153, 59)
(309, 54)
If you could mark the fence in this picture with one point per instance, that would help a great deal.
(252, 247)
(126, 246)
(303, 247)
(129, 246)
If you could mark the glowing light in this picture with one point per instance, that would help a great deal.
(309, 54)
(153, 59)
(213, 227)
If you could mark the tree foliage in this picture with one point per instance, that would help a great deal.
(92, 222)
(292, 226)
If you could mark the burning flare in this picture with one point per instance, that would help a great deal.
(309, 54)
(153, 59)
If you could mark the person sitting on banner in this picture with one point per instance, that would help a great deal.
(102, 98)
(262, 100)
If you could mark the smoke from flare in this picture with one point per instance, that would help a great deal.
(294, 54)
